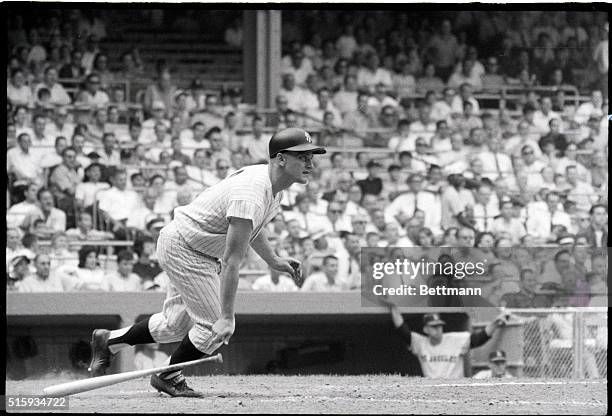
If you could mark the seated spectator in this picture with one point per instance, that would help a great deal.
(442, 109)
(543, 116)
(492, 80)
(123, 279)
(59, 96)
(117, 202)
(51, 160)
(60, 253)
(88, 276)
(163, 90)
(372, 184)
(18, 212)
(92, 94)
(590, 108)
(292, 92)
(345, 99)
(211, 115)
(59, 126)
(53, 219)
(465, 76)
(22, 161)
(218, 149)
(325, 280)
(18, 270)
(66, 176)
(73, 69)
(515, 144)
(506, 224)
(361, 119)
(314, 116)
(404, 83)
(454, 199)
(201, 171)
(84, 230)
(371, 74)
(44, 280)
(298, 65)
(467, 121)
(569, 158)
(395, 184)
(274, 282)
(429, 81)
(98, 126)
(255, 145)
(486, 207)
(147, 266)
(17, 92)
(100, 67)
(466, 93)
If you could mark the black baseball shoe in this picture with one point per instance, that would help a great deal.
(101, 356)
(175, 387)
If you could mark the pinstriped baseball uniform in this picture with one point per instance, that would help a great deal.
(188, 247)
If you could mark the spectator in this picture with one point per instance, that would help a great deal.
(596, 234)
(593, 107)
(147, 266)
(59, 96)
(468, 121)
(73, 69)
(436, 343)
(233, 34)
(429, 81)
(123, 279)
(59, 126)
(117, 202)
(515, 144)
(325, 280)
(66, 177)
(497, 367)
(601, 58)
(145, 211)
(43, 280)
(88, 276)
(506, 225)
(404, 82)
(163, 90)
(569, 159)
(17, 92)
(201, 170)
(17, 213)
(275, 281)
(84, 230)
(371, 74)
(372, 184)
(255, 145)
(292, 92)
(579, 192)
(22, 162)
(442, 110)
(466, 93)
(455, 198)
(52, 218)
(93, 95)
(361, 119)
(492, 80)
(212, 114)
(18, 270)
(405, 205)
(486, 207)
(465, 76)
(444, 49)
(298, 65)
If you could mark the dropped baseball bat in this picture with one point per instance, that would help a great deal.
(79, 386)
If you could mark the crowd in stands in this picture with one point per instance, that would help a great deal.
(436, 165)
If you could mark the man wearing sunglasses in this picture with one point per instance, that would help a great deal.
(201, 251)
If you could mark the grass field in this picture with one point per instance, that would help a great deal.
(343, 394)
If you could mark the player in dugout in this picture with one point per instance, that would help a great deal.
(441, 354)
(497, 367)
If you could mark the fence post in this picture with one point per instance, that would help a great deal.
(578, 344)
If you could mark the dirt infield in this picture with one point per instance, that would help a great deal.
(343, 394)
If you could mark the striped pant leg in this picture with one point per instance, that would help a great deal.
(193, 293)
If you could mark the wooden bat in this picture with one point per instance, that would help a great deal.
(79, 386)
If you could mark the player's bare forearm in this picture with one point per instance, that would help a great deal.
(396, 316)
(262, 247)
(236, 246)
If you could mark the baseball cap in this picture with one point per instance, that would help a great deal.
(156, 223)
(497, 355)
(432, 319)
(293, 139)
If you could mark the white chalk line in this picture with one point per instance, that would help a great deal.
(445, 401)
(513, 383)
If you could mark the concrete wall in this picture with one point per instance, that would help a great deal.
(279, 333)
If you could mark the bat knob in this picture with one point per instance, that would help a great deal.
(219, 358)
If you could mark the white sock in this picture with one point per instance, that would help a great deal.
(116, 333)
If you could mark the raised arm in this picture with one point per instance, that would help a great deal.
(399, 324)
(478, 338)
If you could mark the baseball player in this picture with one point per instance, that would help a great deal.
(201, 251)
(497, 367)
(441, 354)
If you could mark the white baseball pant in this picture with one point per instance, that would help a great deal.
(192, 302)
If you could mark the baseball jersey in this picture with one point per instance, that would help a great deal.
(247, 193)
(444, 360)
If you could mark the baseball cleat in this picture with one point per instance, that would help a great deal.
(100, 354)
(175, 387)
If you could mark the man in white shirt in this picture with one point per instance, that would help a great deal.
(371, 75)
(59, 96)
(581, 193)
(124, 279)
(59, 126)
(297, 65)
(194, 138)
(465, 94)
(292, 92)
(514, 144)
(494, 162)
(44, 280)
(486, 207)
(325, 280)
(542, 217)
(274, 282)
(590, 108)
(345, 100)
(118, 203)
(542, 117)
(405, 205)
(23, 163)
(506, 225)
(465, 76)
(255, 145)
(442, 109)
(315, 115)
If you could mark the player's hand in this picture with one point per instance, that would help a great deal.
(290, 266)
(502, 319)
(222, 330)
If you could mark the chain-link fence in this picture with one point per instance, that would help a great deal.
(565, 343)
